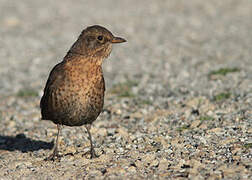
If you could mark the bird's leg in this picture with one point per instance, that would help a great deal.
(92, 151)
(55, 150)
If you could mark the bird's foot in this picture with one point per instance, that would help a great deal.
(54, 156)
(93, 154)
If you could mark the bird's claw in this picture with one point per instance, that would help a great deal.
(55, 155)
(93, 154)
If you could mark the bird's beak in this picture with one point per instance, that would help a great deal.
(118, 40)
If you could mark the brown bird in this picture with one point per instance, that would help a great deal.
(74, 91)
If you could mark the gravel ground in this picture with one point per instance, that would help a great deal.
(179, 93)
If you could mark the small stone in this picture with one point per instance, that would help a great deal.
(203, 140)
(249, 130)
(102, 132)
(119, 150)
(104, 157)
(228, 141)
(128, 146)
(134, 154)
(66, 158)
(136, 115)
(108, 150)
(163, 165)
(116, 170)
(139, 164)
(95, 173)
(187, 113)
(236, 158)
(111, 131)
(123, 132)
(177, 142)
(154, 163)
(215, 130)
(132, 169)
(236, 150)
(148, 159)
(195, 123)
(162, 140)
(195, 166)
(12, 124)
(203, 126)
(70, 150)
(118, 112)
(193, 103)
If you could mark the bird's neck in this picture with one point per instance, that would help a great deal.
(83, 58)
(75, 53)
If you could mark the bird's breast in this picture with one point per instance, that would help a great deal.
(86, 88)
(79, 96)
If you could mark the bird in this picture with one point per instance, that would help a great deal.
(74, 92)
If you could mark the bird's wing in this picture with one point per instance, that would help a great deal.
(103, 82)
(55, 77)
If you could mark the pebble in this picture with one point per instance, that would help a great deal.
(195, 123)
(132, 169)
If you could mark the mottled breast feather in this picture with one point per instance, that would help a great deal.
(74, 92)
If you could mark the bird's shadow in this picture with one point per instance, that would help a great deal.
(21, 143)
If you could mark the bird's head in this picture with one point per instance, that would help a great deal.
(95, 41)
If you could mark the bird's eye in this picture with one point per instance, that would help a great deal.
(100, 38)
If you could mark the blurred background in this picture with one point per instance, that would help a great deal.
(170, 43)
(186, 67)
